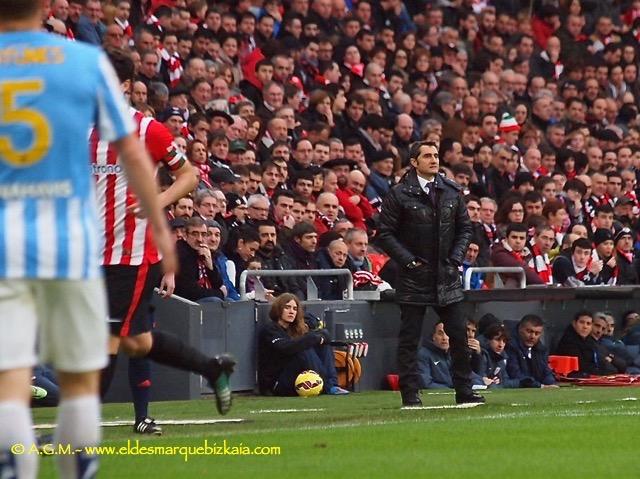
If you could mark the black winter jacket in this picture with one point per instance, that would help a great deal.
(276, 348)
(413, 228)
(591, 358)
(187, 278)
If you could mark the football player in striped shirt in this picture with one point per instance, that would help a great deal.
(51, 92)
(132, 265)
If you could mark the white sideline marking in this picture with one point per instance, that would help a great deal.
(166, 422)
(586, 402)
(519, 404)
(269, 411)
(628, 399)
(446, 406)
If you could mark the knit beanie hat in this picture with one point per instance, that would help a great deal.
(508, 123)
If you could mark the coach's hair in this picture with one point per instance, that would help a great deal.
(194, 222)
(414, 149)
(11, 10)
(122, 64)
(531, 319)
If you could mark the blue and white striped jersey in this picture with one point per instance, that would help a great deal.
(52, 92)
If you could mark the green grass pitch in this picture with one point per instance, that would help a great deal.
(549, 434)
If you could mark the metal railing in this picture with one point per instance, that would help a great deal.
(495, 269)
(312, 289)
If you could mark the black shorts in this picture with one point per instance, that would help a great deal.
(129, 290)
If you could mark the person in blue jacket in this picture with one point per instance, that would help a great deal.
(528, 358)
(495, 357)
(434, 361)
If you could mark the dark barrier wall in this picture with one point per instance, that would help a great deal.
(217, 327)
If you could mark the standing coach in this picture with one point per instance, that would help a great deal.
(425, 228)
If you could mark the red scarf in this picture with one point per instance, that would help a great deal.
(540, 264)
(203, 278)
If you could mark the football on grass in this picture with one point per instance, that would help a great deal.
(308, 383)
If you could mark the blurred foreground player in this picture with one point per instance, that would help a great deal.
(50, 279)
(131, 264)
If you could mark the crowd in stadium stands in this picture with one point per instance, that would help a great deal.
(298, 116)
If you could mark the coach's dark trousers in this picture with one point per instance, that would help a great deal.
(455, 326)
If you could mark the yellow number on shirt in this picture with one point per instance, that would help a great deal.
(10, 113)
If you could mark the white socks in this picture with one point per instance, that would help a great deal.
(16, 429)
(78, 426)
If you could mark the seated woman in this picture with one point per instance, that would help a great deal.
(286, 347)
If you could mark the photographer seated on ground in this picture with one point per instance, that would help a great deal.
(528, 358)
(286, 347)
(577, 341)
(495, 357)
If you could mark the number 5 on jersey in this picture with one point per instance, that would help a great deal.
(12, 114)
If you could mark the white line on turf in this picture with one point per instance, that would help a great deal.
(167, 422)
(628, 399)
(446, 406)
(269, 411)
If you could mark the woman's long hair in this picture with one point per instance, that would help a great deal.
(298, 327)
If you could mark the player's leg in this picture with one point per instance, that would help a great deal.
(139, 339)
(17, 356)
(74, 340)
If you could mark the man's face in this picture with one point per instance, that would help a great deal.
(282, 208)
(516, 240)
(208, 207)
(582, 325)
(487, 212)
(533, 208)
(604, 220)
(259, 210)
(497, 344)
(213, 240)
(338, 253)
(197, 236)
(60, 9)
(581, 257)
(93, 10)
(427, 163)
(271, 177)
(320, 154)
(529, 334)
(247, 249)
(545, 240)
(472, 253)
(298, 211)
(440, 338)
(611, 325)
(184, 208)
(220, 148)
(308, 242)
(358, 246)
(328, 206)
(599, 328)
(268, 237)
(625, 244)
(310, 212)
(253, 183)
(304, 188)
(138, 93)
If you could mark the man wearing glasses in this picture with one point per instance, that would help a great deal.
(198, 277)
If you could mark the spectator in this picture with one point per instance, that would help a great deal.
(215, 244)
(241, 249)
(512, 252)
(286, 347)
(495, 357)
(625, 261)
(577, 268)
(577, 341)
(198, 278)
(603, 241)
(353, 202)
(542, 244)
(327, 212)
(334, 256)
(302, 250)
(528, 358)
(434, 362)
(273, 257)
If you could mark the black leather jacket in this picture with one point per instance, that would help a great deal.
(413, 228)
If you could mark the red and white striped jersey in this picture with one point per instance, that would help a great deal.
(127, 238)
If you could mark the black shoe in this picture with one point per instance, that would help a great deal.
(411, 399)
(469, 398)
(222, 368)
(147, 425)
